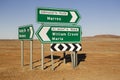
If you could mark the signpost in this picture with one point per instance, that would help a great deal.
(65, 37)
(57, 15)
(73, 47)
(59, 34)
(26, 33)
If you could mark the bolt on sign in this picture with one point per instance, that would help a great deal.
(26, 32)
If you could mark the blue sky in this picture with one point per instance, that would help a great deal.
(98, 16)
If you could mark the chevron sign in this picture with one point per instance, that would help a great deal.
(66, 47)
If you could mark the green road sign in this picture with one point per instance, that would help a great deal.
(59, 34)
(57, 15)
(26, 32)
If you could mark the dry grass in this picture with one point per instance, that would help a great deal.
(99, 60)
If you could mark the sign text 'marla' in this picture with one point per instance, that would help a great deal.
(25, 32)
(57, 15)
(59, 34)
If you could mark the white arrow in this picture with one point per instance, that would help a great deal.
(31, 32)
(74, 16)
(65, 47)
(79, 47)
(43, 34)
(56, 47)
(72, 47)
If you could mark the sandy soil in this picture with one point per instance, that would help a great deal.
(99, 60)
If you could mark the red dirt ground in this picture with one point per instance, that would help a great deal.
(99, 60)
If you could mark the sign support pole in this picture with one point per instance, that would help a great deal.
(22, 53)
(31, 52)
(72, 59)
(42, 56)
(64, 57)
(76, 59)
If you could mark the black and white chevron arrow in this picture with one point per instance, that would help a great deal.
(66, 47)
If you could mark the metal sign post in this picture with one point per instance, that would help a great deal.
(72, 47)
(64, 57)
(31, 52)
(26, 32)
(42, 56)
(74, 59)
(22, 53)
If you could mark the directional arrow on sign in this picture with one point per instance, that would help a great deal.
(66, 47)
(43, 33)
(57, 15)
(59, 34)
(26, 32)
(31, 32)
